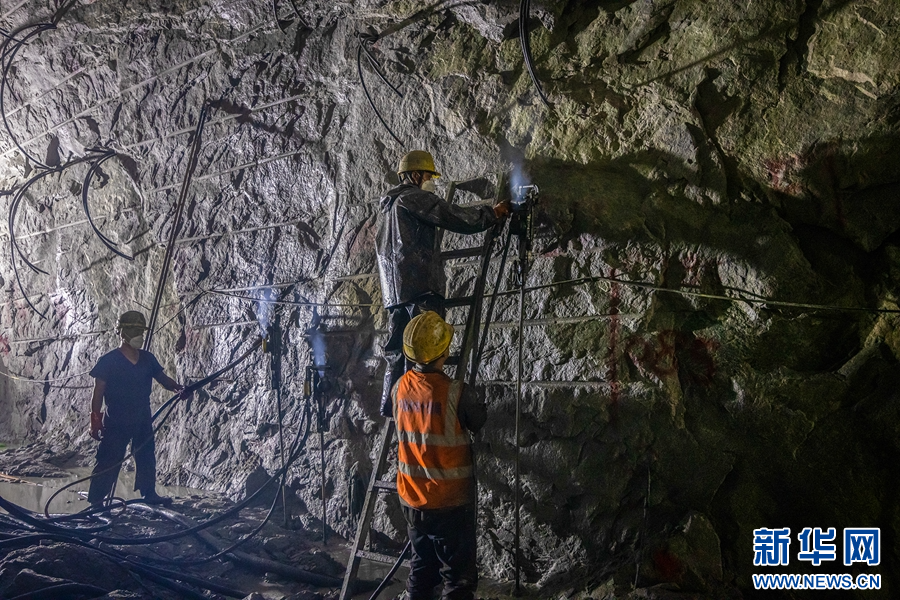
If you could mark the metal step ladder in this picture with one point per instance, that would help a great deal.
(466, 370)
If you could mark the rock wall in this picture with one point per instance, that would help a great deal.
(693, 151)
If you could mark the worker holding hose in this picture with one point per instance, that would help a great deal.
(435, 467)
(123, 379)
(412, 277)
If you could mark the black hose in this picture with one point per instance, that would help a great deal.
(387, 578)
(197, 581)
(362, 81)
(7, 59)
(525, 40)
(85, 187)
(376, 66)
(294, 446)
(132, 562)
(55, 592)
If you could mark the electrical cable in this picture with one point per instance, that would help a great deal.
(22, 515)
(13, 243)
(13, 212)
(112, 467)
(525, 41)
(42, 381)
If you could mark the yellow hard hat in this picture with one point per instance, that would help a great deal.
(426, 337)
(131, 319)
(418, 160)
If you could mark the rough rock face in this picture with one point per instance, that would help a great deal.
(708, 148)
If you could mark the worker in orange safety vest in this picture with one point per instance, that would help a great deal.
(435, 472)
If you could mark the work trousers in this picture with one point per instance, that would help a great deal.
(443, 548)
(111, 451)
(398, 318)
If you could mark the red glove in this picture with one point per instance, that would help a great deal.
(96, 425)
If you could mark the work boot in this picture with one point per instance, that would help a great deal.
(154, 498)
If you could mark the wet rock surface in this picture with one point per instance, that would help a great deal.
(714, 150)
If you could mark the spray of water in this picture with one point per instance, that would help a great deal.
(265, 308)
(518, 179)
(317, 341)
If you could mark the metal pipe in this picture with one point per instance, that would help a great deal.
(321, 402)
(518, 413)
(176, 223)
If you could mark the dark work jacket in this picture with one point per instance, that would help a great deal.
(406, 229)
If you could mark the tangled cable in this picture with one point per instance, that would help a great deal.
(94, 156)
(9, 48)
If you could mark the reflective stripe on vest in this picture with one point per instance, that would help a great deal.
(434, 467)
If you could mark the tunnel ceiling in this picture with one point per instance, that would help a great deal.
(691, 152)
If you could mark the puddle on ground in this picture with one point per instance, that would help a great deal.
(34, 492)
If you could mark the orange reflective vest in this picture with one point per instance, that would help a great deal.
(434, 466)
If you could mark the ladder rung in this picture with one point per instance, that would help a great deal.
(385, 485)
(463, 253)
(378, 557)
(462, 301)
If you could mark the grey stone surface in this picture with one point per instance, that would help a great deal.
(720, 149)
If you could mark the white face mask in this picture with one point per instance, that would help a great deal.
(428, 186)
(137, 342)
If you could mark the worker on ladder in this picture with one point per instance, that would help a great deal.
(412, 279)
(435, 468)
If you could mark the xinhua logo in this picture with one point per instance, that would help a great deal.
(862, 545)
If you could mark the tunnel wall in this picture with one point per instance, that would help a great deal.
(693, 152)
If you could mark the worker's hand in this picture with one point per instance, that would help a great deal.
(183, 393)
(96, 425)
(501, 210)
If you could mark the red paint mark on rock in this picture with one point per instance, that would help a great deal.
(781, 173)
(669, 352)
